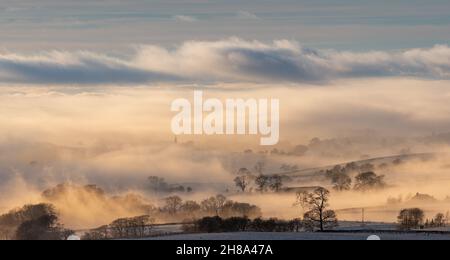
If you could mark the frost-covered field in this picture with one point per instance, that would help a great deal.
(346, 231)
(301, 236)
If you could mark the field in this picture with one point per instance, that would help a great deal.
(347, 231)
(302, 236)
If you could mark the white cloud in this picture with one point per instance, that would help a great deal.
(73, 68)
(185, 18)
(231, 60)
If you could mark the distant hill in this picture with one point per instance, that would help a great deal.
(320, 171)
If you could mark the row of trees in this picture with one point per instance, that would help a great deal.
(263, 183)
(175, 209)
(159, 185)
(340, 176)
(317, 216)
(248, 180)
(414, 218)
(135, 227)
(440, 220)
(214, 206)
(242, 224)
(364, 180)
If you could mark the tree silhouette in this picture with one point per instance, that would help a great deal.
(316, 204)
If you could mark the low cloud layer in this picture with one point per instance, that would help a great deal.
(73, 68)
(231, 60)
(116, 137)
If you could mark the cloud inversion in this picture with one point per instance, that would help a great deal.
(232, 60)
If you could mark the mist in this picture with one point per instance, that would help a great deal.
(117, 137)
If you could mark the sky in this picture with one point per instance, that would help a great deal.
(75, 47)
(78, 47)
(112, 25)
(86, 86)
(201, 42)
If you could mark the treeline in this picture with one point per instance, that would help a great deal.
(242, 224)
(414, 218)
(260, 183)
(175, 209)
(256, 180)
(33, 222)
(159, 185)
(343, 178)
(135, 227)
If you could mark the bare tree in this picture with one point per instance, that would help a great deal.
(439, 220)
(276, 183)
(191, 208)
(173, 204)
(411, 218)
(214, 205)
(134, 227)
(341, 182)
(221, 200)
(316, 204)
(242, 182)
(119, 228)
(339, 178)
(142, 225)
(262, 181)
